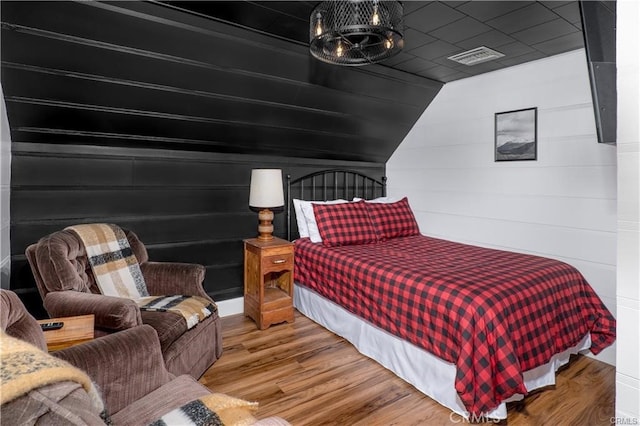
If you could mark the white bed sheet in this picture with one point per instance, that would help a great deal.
(435, 377)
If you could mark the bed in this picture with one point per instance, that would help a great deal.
(471, 327)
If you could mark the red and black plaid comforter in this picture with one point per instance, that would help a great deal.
(494, 314)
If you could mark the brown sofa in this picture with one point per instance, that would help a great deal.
(67, 286)
(127, 368)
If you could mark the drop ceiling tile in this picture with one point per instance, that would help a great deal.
(553, 4)
(570, 12)
(414, 38)
(448, 62)
(455, 3)
(543, 32)
(485, 10)
(397, 59)
(460, 30)
(515, 49)
(435, 50)
(412, 6)
(521, 19)
(438, 72)
(432, 16)
(492, 39)
(531, 56)
(416, 64)
(562, 44)
(452, 77)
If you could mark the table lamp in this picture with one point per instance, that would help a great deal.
(265, 195)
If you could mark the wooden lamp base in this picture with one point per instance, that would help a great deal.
(265, 225)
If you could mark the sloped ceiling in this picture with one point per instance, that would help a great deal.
(236, 77)
(522, 30)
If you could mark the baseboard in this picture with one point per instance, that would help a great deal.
(230, 307)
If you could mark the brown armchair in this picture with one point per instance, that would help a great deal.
(127, 368)
(67, 286)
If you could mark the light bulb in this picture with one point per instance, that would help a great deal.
(339, 50)
(318, 25)
(388, 43)
(375, 19)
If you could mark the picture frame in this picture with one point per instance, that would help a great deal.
(516, 135)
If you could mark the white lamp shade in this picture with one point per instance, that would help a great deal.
(266, 189)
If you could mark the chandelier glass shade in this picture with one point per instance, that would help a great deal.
(356, 32)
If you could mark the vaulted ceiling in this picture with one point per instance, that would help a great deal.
(434, 30)
(236, 77)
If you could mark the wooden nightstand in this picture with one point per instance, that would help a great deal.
(75, 330)
(268, 281)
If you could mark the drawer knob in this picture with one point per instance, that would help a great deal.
(278, 261)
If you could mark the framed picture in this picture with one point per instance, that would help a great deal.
(516, 135)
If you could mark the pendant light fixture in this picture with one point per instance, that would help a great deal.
(356, 32)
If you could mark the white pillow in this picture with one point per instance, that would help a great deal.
(380, 200)
(312, 225)
(303, 229)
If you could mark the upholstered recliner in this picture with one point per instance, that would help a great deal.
(67, 286)
(127, 369)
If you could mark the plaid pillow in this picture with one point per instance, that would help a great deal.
(344, 224)
(393, 219)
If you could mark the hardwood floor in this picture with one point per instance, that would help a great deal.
(310, 376)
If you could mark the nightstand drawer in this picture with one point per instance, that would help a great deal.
(277, 262)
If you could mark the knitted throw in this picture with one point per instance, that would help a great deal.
(114, 265)
(118, 273)
(193, 308)
(24, 367)
(212, 410)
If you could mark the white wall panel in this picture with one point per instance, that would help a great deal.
(627, 396)
(5, 185)
(569, 212)
(628, 274)
(543, 240)
(563, 205)
(512, 177)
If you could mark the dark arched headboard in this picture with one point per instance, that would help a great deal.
(331, 185)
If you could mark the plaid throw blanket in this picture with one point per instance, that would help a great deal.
(114, 265)
(23, 368)
(118, 273)
(193, 308)
(212, 410)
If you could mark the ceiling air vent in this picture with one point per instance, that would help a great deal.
(476, 56)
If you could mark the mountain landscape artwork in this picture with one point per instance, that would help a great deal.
(516, 135)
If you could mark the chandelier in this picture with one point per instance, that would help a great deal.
(356, 32)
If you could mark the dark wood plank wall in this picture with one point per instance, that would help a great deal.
(185, 206)
(144, 115)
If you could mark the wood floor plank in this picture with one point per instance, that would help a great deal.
(309, 376)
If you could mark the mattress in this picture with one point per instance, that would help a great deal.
(492, 314)
(434, 377)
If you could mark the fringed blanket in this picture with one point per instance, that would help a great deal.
(118, 273)
(114, 265)
(193, 308)
(212, 410)
(24, 367)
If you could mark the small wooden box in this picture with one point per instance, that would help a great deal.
(75, 330)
